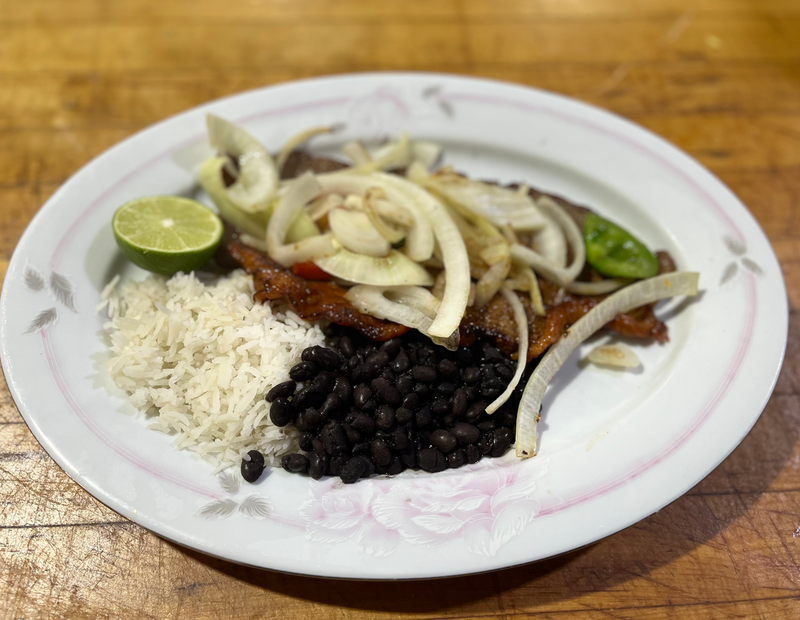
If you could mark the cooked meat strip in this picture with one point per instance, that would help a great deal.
(310, 299)
(325, 300)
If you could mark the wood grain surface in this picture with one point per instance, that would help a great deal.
(719, 78)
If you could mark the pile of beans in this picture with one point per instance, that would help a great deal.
(366, 407)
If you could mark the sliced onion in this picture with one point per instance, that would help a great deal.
(322, 205)
(426, 153)
(550, 241)
(491, 281)
(371, 300)
(616, 355)
(256, 184)
(454, 255)
(397, 214)
(299, 138)
(357, 152)
(298, 193)
(301, 228)
(521, 318)
(211, 180)
(533, 288)
(389, 233)
(396, 269)
(633, 296)
(354, 230)
(602, 287)
(420, 237)
(500, 205)
(392, 155)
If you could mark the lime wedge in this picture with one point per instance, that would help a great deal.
(167, 234)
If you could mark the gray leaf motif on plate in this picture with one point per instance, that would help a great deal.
(33, 279)
(63, 290)
(229, 482)
(44, 319)
(218, 509)
(739, 249)
(255, 507)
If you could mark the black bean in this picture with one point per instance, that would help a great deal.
(323, 357)
(409, 456)
(306, 442)
(336, 464)
(487, 372)
(369, 468)
(472, 392)
(486, 425)
(444, 440)
(506, 416)
(361, 395)
(303, 371)
(317, 464)
(424, 417)
(503, 438)
(325, 381)
(422, 390)
(411, 401)
(401, 363)
(309, 419)
(472, 454)
(389, 375)
(448, 370)
(456, 459)
(386, 392)
(445, 389)
(428, 458)
(285, 390)
(491, 353)
(309, 396)
(362, 447)
(471, 375)
(385, 418)
(334, 439)
(423, 438)
(253, 468)
(404, 385)
(463, 357)
(281, 412)
(363, 423)
(395, 467)
(476, 410)
(391, 347)
(466, 433)
(381, 453)
(353, 470)
(460, 402)
(403, 415)
(491, 392)
(295, 463)
(353, 436)
(357, 374)
(317, 446)
(331, 405)
(426, 374)
(398, 440)
(381, 358)
(505, 372)
(370, 405)
(346, 346)
(440, 407)
(486, 443)
(449, 420)
(343, 388)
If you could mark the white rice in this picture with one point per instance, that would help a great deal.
(199, 358)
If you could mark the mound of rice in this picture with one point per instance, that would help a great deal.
(199, 358)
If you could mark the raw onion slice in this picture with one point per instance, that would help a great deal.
(420, 236)
(298, 193)
(633, 296)
(211, 180)
(602, 287)
(550, 241)
(355, 231)
(357, 152)
(615, 355)
(396, 269)
(299, 138)
(373, 196)
(410, 305)
(521, 319)
(490, 282)
(322, 205)
(256, 183)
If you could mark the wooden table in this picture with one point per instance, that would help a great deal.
(720, 78)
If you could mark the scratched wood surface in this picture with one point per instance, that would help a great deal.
(720, 78)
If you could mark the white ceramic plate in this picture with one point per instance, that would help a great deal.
(615, 447)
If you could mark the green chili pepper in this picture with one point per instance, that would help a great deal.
(614, 252)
